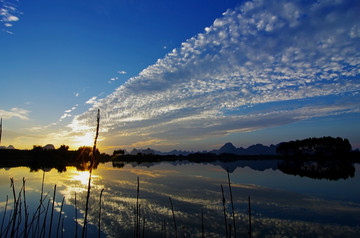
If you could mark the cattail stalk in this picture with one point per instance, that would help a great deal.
(137, 208)
(249, 210)
(76, 223)
(90, 171)
(52, 211)
(232, 203)
(99, 225)
(2, 223)
(43, 229)
(37, 228)
(58, 226)
(224, 208)
(202, 223)
(173, 214)
(25, 207)
(143, 230)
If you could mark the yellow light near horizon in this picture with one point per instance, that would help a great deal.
(85, 140)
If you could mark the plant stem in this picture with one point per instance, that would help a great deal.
(172, 209)
(102, 190)
(58, 226)
(76, 223)
(52, 211)
(232, 203)
(202, 223)
(224, 208)
(249, 206)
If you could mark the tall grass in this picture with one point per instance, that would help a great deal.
(173, 214)
(90, 171)
(232, 203)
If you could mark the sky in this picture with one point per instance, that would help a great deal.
(189, 75)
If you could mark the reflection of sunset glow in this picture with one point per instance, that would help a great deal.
(151, 173)
(82, 177)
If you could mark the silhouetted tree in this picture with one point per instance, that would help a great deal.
(63, 148)
(324, 146)
(119, 152)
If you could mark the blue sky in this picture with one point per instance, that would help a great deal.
(178, 74)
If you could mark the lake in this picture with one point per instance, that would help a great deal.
(282, 205)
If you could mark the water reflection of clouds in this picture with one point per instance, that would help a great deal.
(276, 212)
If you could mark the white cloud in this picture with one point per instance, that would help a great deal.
(12, 18)
(8, 14)
(76, 94)
(91, 100)
(122, 72)
(15, 112)
(257, 55)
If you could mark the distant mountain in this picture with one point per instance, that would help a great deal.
(49, 147)
(227, 148)
(257, 149)
(10, 147)
(175, 152)
(147, 151)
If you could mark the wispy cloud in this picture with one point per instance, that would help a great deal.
(8, 14)
(122, 72)
(91, 100)
(15, 112)
(285, 60)
(67, 113)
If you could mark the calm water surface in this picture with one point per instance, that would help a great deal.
(282, 205)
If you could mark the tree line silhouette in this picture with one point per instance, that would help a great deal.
(324, 146)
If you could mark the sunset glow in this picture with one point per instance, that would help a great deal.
(179, 75)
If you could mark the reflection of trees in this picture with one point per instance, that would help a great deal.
(331, 170)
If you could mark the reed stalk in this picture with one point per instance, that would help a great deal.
(2, 223)
(62, 228)
(58, 226)
(86, 206)
(137, 209)
(52, 211)
(232, 203)
(15, 208)
(7, 229)
(19, 216)
(43, 229)
(224, 209)
(249, 210)
(143, 230)
(139, 222)
(173, 214)
(99, 224)
(135, 220)
(202, 223)
(25, 207)
(90, 171)
(37, 227)
(76, 223)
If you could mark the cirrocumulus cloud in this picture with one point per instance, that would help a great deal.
(265, 63)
